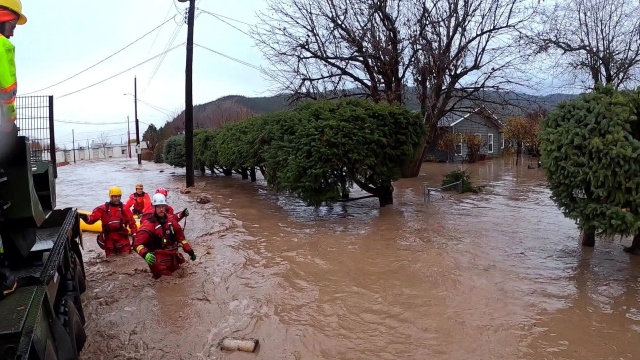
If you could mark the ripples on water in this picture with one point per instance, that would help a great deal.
(499, 274)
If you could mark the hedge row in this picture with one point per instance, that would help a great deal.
(316, 151)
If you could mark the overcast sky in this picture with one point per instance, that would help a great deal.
(62, 38)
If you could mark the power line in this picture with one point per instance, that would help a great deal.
(158, 33)
(88, 123)
(226, 17)
(158, 109)
(219, 17)
(101, 61)
(232, 58)
(122, 72)
(172, 39)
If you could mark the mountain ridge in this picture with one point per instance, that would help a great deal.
(231, 108)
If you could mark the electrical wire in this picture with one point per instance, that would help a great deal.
(172, 39)
(87, 123)
(226, 17)
(158, 33)
(101, 61)
(232, 58)
(219, 17)
(120, 73)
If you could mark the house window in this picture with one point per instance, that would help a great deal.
(124, 151)
(459, 146)
(502, 137)
(490, 143)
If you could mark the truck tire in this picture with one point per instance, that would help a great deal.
(73, 293)
(73, 324)
(79, 270)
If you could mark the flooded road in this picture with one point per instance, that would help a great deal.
(497, 275)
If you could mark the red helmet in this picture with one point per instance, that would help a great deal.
(162, 191)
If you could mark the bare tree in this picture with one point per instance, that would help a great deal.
(335, 48)
(103, 141)
(452, 51)
(598, 41)
(462, 50)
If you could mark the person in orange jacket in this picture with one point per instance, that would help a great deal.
(169, 210)
(115, 218)
(158, 240)
(139, 200)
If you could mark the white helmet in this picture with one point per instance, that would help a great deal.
(159, 199)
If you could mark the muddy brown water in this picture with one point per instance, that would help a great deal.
(497, 275)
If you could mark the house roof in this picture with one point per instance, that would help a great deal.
(454, 117)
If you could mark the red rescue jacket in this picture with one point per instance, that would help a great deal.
(159, 234)
(139, 202)
(115, 218)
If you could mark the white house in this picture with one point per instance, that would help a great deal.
(100, 151)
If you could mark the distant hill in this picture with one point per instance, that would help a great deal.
(233, 108)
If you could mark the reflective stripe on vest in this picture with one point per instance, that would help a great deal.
(8, 81)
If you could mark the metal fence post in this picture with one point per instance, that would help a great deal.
(52, 139)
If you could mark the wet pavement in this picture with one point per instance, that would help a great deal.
(497, 275)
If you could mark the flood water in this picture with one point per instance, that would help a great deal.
(495, 275)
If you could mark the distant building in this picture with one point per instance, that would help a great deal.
(97, 151)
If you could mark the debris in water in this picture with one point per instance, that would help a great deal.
(185, 191)
(161, 170)
(232, 344)
(204, 199)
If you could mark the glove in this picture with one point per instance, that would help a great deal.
(84, 217)
(192, 255)
(185, 213)
(150, 258)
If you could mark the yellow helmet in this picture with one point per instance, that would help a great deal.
(115, 191)
(16, 7)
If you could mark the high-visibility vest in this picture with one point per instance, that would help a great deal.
(8, 81)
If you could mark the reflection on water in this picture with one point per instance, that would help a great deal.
(498, 275)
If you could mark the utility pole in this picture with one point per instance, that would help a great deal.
(135, 99)
(128, 137)
(73, 138)
(188, 95)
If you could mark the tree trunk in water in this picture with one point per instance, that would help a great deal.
(385, 195)
(588, 237)
(244, 173)
(203, 171)
(518, 153)
(344, 190)
(252, 174)
(635, 245)
(413, 170)
(227, 172)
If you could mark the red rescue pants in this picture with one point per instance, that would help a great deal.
(167, 262)
(116, 243)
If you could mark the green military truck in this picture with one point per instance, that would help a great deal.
(41, 269)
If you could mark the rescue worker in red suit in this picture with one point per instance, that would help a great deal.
(179, 216)
(158, 240)
(116, 220)
(139, 200)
